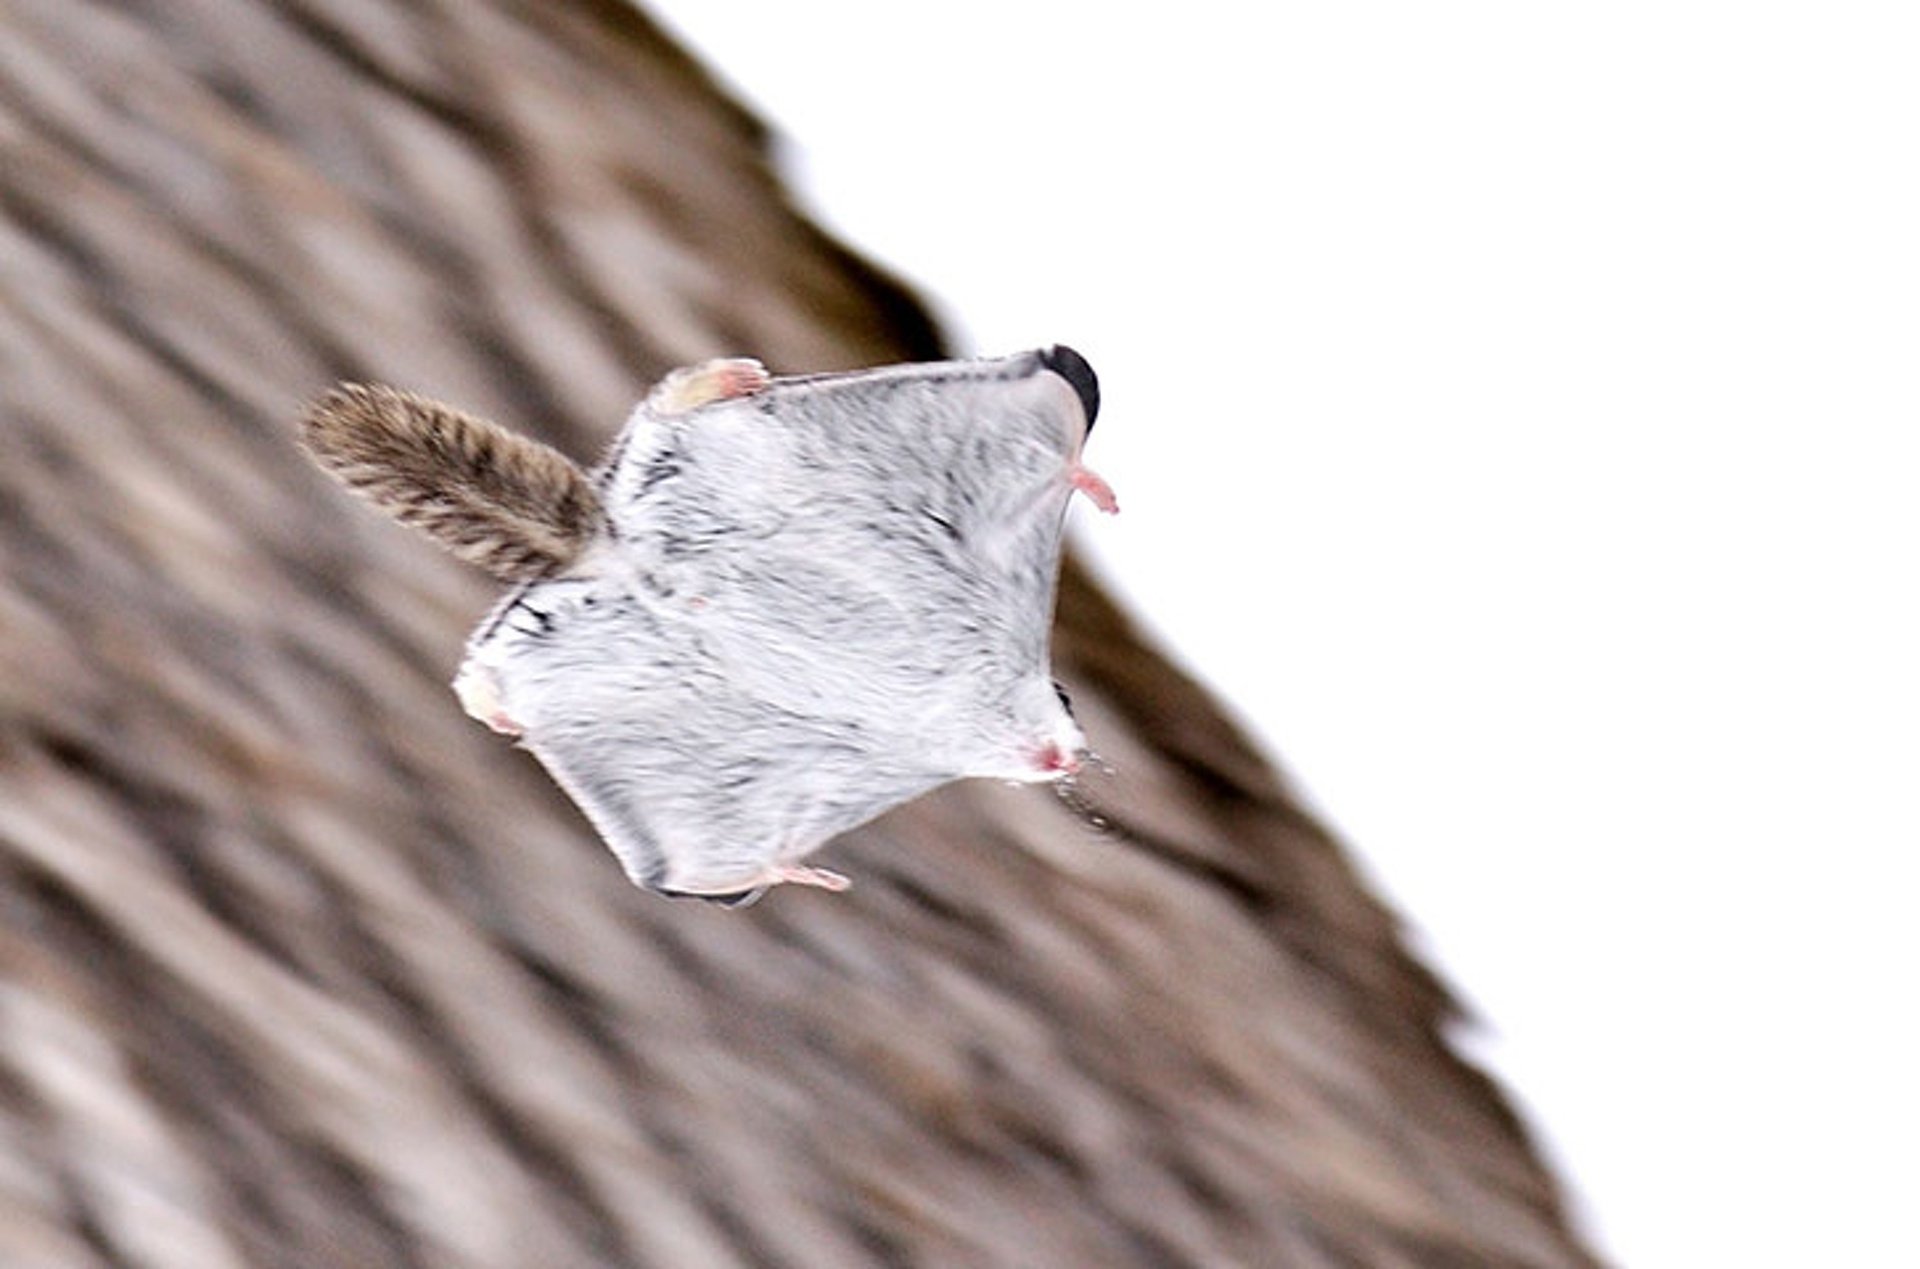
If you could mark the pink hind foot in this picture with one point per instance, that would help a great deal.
(801, 875)
(480, 697)
(1090, 484)
(694, 386)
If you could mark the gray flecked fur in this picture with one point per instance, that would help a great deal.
(810, 604)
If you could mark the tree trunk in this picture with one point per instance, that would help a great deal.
(298, 966)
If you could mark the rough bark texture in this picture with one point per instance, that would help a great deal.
(300, 967)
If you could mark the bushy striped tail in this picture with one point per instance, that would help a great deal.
(518, 509)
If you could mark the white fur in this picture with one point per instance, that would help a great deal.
(815, 601)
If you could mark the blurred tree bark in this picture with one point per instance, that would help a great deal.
(300, 967)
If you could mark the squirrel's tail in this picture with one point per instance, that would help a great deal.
(518, 509)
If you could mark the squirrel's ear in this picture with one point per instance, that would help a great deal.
(518, 509)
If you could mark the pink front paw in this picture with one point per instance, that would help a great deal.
(1090, 484)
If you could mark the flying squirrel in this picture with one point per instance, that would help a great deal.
(779, 606)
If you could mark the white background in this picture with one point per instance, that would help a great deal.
(1514, 408)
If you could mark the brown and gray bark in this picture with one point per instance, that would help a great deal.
(298, 966)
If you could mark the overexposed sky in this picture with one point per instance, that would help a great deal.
(1516, 412)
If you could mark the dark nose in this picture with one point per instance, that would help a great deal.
(1072, 367)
